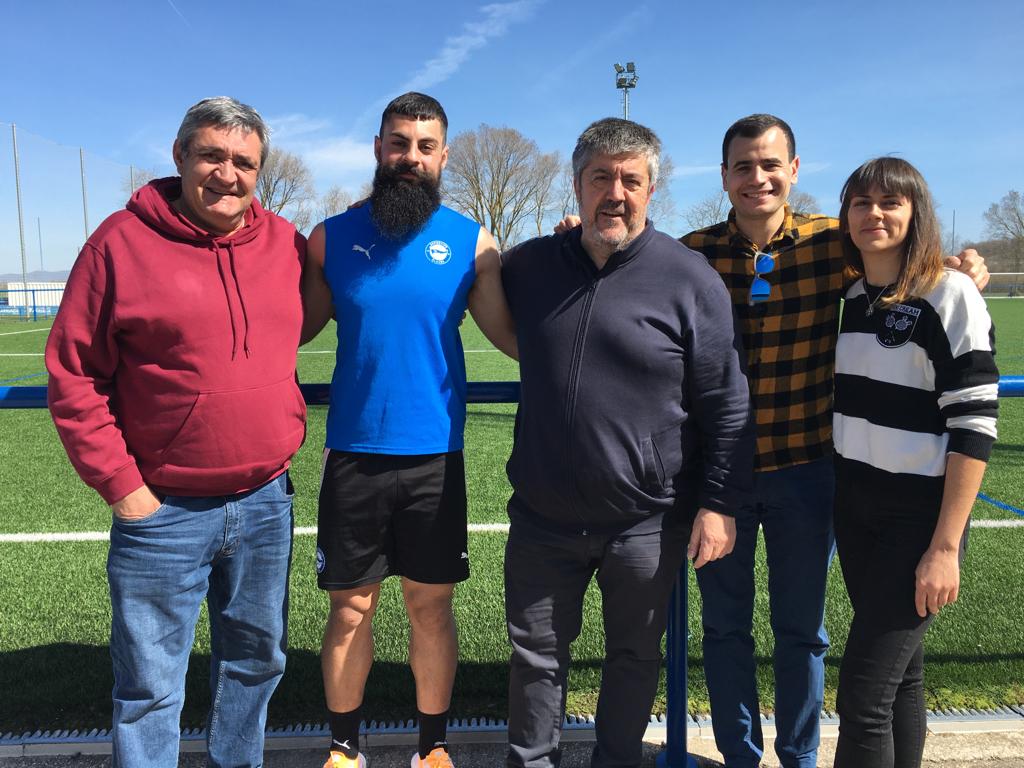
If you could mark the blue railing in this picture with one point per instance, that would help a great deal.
(31, 303)
(675, 754)
(479, 392)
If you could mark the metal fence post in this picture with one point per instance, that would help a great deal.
(21, 221)
(675, 754)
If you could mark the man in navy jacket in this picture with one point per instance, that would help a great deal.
(633, 436)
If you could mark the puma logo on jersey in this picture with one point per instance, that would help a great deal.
(364, 250)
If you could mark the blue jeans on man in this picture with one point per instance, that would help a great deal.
(234, 551)
(793, 506)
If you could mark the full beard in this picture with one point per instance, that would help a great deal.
(400, 207)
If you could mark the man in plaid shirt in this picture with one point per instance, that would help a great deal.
(784, 271)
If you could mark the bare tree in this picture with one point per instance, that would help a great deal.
(711, 210)
(332, 202)
(547, 193)
(567, 202)
(285, 186)
(803, 202)
(662, 209)
(137, 177)
(494, 175)
(1005, 219)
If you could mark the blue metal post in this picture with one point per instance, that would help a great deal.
(675, 754)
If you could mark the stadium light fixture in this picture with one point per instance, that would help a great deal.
(625, 79)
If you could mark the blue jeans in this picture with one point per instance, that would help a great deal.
(234, 551)
(794, 508)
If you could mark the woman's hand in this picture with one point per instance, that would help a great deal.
(937, 581)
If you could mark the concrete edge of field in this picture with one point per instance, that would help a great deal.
(955, 737)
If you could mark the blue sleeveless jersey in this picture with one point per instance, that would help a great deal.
(399, 384)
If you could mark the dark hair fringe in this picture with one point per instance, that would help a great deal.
(417, 106)
(752, 126)
(922, 262)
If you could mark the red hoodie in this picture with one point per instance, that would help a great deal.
(172, 358)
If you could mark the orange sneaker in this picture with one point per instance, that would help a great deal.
(338, 760)
(438, 758)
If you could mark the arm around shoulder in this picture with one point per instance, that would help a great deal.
(487, 301)
(317, 302)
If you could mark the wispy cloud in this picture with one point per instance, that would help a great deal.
(454, 52)
(497, 18)
(556, 75)
(816, 167)
(180, 14)
(349, 161)
(695, 170)
(289, 127)
(339, 156)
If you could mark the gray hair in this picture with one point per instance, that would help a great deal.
(615, 136)
(223, 112)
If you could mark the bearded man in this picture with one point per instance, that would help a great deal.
(398, 274)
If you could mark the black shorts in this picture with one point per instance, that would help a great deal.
(383, 515)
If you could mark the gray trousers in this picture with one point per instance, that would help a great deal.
(546, 576)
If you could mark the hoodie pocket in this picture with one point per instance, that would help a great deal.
(233, 439)
(663, 456)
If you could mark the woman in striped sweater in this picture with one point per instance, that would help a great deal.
(915, 419)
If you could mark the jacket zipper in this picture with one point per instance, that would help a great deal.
(573, 388)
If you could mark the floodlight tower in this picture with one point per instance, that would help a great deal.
(625, 78)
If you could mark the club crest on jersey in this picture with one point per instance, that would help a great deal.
(321, 560)
(438, 251)
(898, 326)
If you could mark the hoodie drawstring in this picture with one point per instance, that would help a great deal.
(241, 300)
(223, 271)
(227, 299)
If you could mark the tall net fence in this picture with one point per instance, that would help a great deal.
(65, 193)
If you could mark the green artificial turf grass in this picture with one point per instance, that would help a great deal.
(54, 662)
(55, 667)
(1008, 318)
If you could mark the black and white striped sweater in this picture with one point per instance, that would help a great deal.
(914, 382)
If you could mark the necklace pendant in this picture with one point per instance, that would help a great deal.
(869, 311)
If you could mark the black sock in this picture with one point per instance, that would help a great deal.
(345, 732)
(433, 732)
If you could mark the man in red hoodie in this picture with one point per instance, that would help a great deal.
(173, 389)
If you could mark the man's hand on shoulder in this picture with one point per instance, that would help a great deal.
(487, 301)
(972, 264)
(713, 537)
(569, 222)
(137, 505)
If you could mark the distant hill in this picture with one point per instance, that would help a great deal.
(38, 276)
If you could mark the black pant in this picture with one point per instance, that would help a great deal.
(546, 576)
(882, 719)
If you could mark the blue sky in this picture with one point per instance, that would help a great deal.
(940, 83)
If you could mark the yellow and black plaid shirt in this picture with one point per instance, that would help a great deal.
(790, 339)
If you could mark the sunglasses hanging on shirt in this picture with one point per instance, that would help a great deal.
(761, 289)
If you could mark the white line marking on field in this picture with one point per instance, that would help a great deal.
(997, 523)
(22, 354)
(34, 538)
(15, 333)
(331, 351)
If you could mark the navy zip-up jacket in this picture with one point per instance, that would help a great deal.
(633, 400)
